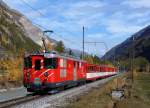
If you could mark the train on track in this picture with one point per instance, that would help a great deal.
(47, 71)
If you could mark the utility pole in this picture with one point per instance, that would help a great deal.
(133, 58)
(114, 57)
(83, 44)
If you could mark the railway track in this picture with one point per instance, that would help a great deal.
(38, 101)
(19, 100)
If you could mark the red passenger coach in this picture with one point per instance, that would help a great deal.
(47, 71)
(99, 71)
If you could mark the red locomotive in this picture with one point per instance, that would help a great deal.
(47, 71)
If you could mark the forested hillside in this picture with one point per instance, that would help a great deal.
(13, 39)
(138, 45)
(14, 42)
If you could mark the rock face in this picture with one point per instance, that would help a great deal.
(34, 32)
(29, 29)
(17, 32)
(13, 36)
(141, 46)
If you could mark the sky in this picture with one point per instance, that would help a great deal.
(106, 21)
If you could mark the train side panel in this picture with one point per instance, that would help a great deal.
(98, 71)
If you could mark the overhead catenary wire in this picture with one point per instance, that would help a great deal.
(44, 28)
(66, 39)
(27, 4)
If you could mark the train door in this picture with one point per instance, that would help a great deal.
(75, 71)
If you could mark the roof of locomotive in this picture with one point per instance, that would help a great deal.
(53, 55)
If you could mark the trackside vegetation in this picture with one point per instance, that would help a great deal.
(136, 94)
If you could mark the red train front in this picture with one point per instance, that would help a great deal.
(47, 71)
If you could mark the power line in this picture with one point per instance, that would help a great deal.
(94, 42)
(27, 4)
(83, 44)
(40, 13)
(37, 10)
(60, 36)
(70, 41)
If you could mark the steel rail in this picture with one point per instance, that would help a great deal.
(8, 103)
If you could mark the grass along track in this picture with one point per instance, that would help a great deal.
(98, 97)
(136, 96)
(140, 92)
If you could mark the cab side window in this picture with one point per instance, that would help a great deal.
(37, 64)
(50, 63)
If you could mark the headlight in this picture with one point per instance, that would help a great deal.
(28, 74)
(37, 81)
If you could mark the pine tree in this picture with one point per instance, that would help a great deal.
(60, 47)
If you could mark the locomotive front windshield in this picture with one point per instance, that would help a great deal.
(50, 63)
(27, 62)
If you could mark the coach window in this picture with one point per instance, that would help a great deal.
(100, 69)
(80, 65)
(63, 73)
(63, 63)
(90, 68)
(50, 63)
(37, 64)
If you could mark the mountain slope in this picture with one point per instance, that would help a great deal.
(141, 46)
(17, 28)
(13, 38)
(27, 26)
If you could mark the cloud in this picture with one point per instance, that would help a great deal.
(138, 3)
(120, 27)
(84, 13)
(96, 36)
(122, 22)
(83, 9)
(111, 21)
(15, 3)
